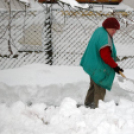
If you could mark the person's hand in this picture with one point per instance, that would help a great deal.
(117, 69)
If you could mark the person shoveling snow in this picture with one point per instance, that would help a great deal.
(99, 61)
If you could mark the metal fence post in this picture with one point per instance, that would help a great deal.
(48, 42)
(9, 28)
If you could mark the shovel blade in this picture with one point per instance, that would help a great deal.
(130, 80)
(126, 83)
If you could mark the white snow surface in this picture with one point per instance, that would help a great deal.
(42, 99)
(74, 3)
(26, 1)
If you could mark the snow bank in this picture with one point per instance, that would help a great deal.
(42, 99)
(43, 83)
(67, 118)
(40, 83)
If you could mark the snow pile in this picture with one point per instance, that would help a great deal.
(40, 83)
(19, 118)
(42, 75)
(43, 99)
(43, 83)
(67, 118)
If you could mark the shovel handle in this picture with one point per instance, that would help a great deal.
(122, 74)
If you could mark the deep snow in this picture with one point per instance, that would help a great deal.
(42, 99)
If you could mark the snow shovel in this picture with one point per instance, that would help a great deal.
(126, 83)
(122, 74)
(126, 77)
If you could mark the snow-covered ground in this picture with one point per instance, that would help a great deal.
(42, 99)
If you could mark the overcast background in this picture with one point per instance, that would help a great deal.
(129, 3)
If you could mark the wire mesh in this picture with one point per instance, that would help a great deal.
(27, 30)
(27, 38)
(72, 29)
(59, 36)
(3, 33)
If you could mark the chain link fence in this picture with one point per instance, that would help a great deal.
(72, 29)
(4, 32)
(58, 36)
(27, 30)
(27, 38)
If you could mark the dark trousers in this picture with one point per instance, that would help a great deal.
(94, 94)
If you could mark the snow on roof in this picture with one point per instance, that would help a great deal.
(19, 5)
(25, 1)
(96, 7)
(74, 3)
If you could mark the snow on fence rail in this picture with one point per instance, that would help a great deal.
(58, 36)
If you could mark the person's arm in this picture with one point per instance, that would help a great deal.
(105, 54)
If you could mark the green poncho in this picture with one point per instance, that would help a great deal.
(101, 73)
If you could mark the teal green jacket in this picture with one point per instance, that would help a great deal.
(100, 72)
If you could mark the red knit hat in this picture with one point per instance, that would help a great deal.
(111, 23)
